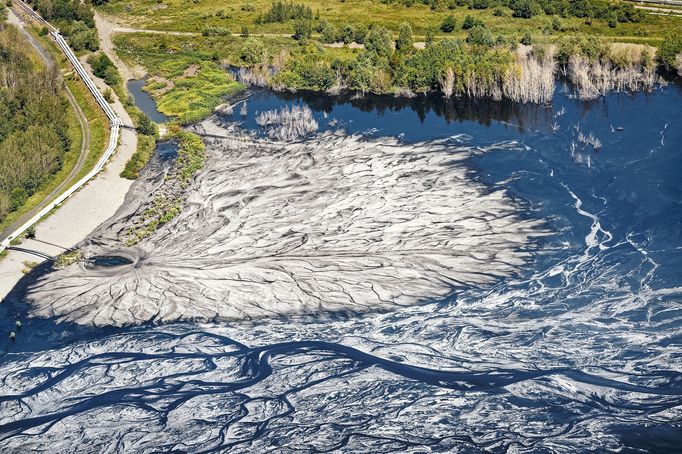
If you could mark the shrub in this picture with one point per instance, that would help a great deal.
(480, 36)
(30, 232)
(139, 159)
(524, 8)
(283, 11)
(210, 30)
(303, 28)
(471, 22)
(671, 47)
(527, 39)
(448, 24)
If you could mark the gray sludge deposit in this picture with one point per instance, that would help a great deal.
(331, 223)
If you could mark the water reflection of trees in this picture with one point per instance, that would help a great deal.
(482, 111)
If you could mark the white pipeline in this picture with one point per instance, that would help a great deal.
(114, 122)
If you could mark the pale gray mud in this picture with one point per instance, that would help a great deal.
(334, 223)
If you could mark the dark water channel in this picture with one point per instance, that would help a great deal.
(144, 101)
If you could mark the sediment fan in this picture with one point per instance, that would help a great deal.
(334, 223)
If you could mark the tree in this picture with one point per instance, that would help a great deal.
(245, 31)
(328, 31)
(523, 8)
(361, 32)
(303, 28)
(104, 68)
(361, 74)
(379, 41)
(347, 34)
(430, 35)
(404, 41)
(252, 51)
(448, 24)
(145, 125)
(480, 36)
(670, 49)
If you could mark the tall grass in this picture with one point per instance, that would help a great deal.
(532, 76)
(288, 123)
(624, 67)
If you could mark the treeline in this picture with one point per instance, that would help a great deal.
(590, 9)
(284, 11)
(483, 65)
(33, 127)
(382, 69)
(74, 18)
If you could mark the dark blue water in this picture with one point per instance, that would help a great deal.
(144, 101)
(581, 352)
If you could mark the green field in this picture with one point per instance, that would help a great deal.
(193, 16)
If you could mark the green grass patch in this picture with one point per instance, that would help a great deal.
(68, 258)
(188, 81)
(194, 97)
(139, 159)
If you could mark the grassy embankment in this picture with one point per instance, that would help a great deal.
(99, 135)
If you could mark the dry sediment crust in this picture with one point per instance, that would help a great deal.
(334, 223)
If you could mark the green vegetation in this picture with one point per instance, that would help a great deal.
(139, 159)
(283, 11)
(506, 17)
(104, 68)
(147, 133)
(196, 92)
(187, 84)
(34, 132)
(28, 266)
(68, 258)
(470, 46)
(191, 156)
(168, 200)
(95, 118)
(670, 53)
(73, 18)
